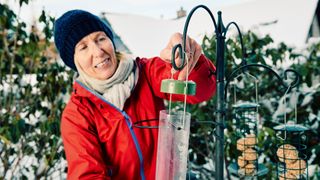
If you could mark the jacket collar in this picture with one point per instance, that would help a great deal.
(82, 91)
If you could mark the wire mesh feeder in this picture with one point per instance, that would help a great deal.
(291, 152)
(291, 146)
(246, 164)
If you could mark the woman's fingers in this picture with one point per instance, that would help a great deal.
(192, 53)
(192, 59)
(165, 54)
(175, 39)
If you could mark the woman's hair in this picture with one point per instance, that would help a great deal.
(120, 55)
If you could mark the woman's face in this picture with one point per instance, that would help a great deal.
(96, 56)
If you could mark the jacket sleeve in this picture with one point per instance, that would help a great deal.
(82, 147)
(203, 75)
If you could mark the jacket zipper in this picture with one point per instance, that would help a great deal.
(129, 124)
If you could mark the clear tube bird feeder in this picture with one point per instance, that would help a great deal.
(174, 130)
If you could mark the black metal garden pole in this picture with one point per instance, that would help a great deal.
(219, 164)
(220, 36)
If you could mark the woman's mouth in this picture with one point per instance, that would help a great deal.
(101, 64)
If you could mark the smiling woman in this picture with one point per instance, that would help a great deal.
(95, 55)
(113, 91)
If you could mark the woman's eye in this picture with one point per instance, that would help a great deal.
(83, 47)
(101, 38)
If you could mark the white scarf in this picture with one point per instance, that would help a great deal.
(116, 89)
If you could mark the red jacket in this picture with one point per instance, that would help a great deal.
(103, 142)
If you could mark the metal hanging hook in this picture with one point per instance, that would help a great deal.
(285, 114)
(173, 56)
(255, 80)
(297, 79)
(246, 67)
(182, 48)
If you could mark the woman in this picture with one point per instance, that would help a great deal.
(112, 95)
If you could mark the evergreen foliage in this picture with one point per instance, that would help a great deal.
(35, 86)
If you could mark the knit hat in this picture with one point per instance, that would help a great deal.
(71, 27)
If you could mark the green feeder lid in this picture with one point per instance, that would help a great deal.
(291, 127)
(178, 87)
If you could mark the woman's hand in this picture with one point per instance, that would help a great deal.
(193, 52)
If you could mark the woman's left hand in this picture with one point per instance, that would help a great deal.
(193, 52)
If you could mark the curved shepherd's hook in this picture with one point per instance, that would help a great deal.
(243, 50)
(182, 48)
(243, 68)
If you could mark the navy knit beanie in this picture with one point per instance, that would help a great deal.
(71, 27)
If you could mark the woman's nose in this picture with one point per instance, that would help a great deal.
(96, 50)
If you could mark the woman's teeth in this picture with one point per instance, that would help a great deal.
(102, 63)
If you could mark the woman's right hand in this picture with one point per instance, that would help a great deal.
(193, 52)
